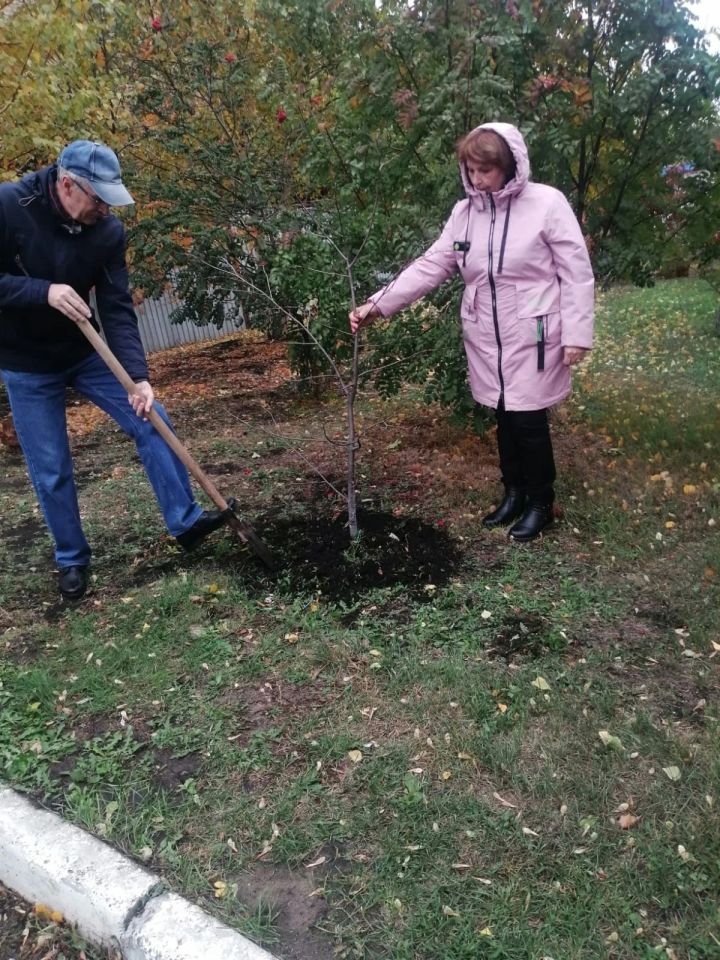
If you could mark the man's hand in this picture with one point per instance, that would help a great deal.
(141, 399)
(363, 315)
(63, 298)
(573, 355)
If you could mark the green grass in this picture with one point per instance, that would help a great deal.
(651, 384)
(443, 756)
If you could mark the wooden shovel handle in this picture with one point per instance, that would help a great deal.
(155, 419)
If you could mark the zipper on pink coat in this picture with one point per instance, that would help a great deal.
(504, 236)
(493, 296)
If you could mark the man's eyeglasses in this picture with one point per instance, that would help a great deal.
(95, 199)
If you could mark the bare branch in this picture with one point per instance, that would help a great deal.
(296, 449)
(269, 298)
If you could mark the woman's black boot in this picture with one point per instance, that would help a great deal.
(535, 518)
(510, 509)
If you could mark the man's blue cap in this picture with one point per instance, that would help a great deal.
(99, 165)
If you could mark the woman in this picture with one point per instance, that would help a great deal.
(527, 309)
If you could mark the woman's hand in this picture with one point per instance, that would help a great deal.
(573, 355)
(363, 315)
(141, 399)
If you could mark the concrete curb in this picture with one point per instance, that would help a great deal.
(110, 899)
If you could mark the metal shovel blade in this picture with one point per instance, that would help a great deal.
(247, 534)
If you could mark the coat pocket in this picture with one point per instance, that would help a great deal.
(468, 310)
(541, 327)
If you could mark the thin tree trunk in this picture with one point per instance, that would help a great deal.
(352, 444)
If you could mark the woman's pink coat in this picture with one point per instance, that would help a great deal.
(544, 276)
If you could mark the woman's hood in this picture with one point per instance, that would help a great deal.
(514, 139)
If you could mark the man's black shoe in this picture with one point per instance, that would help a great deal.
(208, 521)
(73, 583)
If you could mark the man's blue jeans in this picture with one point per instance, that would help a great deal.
(37, 401)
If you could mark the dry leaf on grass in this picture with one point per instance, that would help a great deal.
(504, 802)
(627, 821)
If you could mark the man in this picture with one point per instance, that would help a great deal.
(58, 240)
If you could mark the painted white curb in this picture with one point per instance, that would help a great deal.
(48, 861)
(112, 901)
(170, 928)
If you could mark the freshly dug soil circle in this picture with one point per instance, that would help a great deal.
(315, 555)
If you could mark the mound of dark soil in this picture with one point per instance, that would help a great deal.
(314, 554)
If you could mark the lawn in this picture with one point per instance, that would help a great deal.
(436, 744)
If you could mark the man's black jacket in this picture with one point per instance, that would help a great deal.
(37, 249)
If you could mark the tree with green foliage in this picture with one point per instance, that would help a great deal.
(619, 90)
(274, 132)
(313, 134)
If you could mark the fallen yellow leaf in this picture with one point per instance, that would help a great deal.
(355, 755)
(47, 913)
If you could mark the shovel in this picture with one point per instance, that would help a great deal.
(243, 530)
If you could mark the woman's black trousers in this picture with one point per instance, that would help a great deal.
(526, 453)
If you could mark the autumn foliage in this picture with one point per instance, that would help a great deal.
(333, 125)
